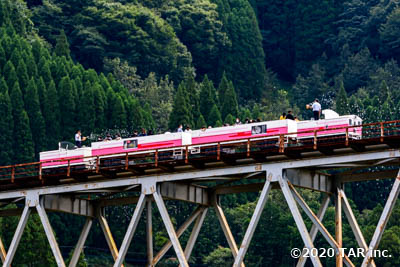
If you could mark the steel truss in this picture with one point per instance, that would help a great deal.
(285, 176)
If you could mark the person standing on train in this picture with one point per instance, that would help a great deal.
(180, 128)
(316, 107)
(78, 139)
(283, 116)
(143, 132)
(290, 116)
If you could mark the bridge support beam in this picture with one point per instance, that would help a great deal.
(314, 229)
(81, 242)
(149, 234)
(196, 213)
(225, 228)
(195, 233)
(3, 252)
(338, 225)
(107, 234)
(332, 242)
(387, 211)
(170, 229)
(17, 236)
(34, 202)
(298, 219)
(354, 225)
(131, 230)
(253, 222)
(50, 234)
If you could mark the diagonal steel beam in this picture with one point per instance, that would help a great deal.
(149, 233)
(50, 234)
(354, 225)
(387, 211)
(130, 231)
(298, 219)
(170, 229)
(81, 242)
(195, 234)
(107, 234)
(180, 231)
(17, 236)
(253, 223)
(314, 229)
(225, 228)
(332, 242)
(338, 225)
(3, 252)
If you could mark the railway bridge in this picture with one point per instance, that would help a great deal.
(149, 178)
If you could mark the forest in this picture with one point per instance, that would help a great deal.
(116, 66)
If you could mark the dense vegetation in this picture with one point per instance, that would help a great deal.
(116, 66)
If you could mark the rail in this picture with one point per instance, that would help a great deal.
(257, 147)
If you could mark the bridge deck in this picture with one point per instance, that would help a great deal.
(270, 149)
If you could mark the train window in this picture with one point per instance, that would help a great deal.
(350, 122)
(359, 123)
(128, 144)
(259, 129)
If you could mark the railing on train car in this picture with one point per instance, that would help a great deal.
(244, 147)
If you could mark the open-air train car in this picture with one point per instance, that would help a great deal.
(174, 144)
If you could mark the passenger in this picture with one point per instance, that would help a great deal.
(143, 132)
(246, 121)
(135, 133)
(237, 122)
(283, 116)
(316, 107)
(210, 127)
(258, 120)
(108, 137)
(226, 124)
(203, 129)
(296, 119)
(150, 132)
(117, 136)
(290, 116)
(188, 129)
(180, 128)
(78, 139)
(99, 138)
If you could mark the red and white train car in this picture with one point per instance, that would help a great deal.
(195, 140)
(332, 125)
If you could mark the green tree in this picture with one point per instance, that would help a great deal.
(51, 114)
(22, 135)
(201, 122)
(87, 110)
(10, 74)
(67, 108)
(62, 45)
(207, 99)
(119, 118)
(246, 54)
(223, 87)
(99, 104)
(214, 117)
(220, 257)
(22, 74)
(342, 103)
(229, 104)
(229, 119)
(6, 126)
(37, 123)
(180, 109)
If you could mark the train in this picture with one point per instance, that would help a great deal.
(196, 141)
